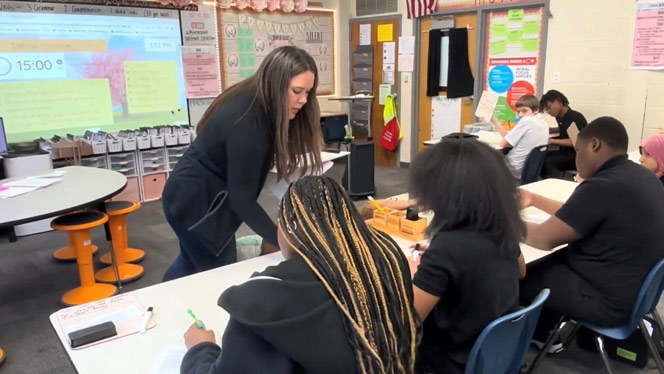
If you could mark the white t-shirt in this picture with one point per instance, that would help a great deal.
(529, 133)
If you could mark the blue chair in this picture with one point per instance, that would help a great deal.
(502, 345)
(532, 168)
(646, 303)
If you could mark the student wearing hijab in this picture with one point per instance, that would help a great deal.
(652, 155)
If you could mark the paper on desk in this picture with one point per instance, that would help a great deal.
(486, 105)
(33, 182)
(279, 188)
(534, 215)
(8, 191)
(169, 360)
(53, 174)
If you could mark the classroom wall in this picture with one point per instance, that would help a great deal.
(404, 108)
(342, 54)
(590, 46)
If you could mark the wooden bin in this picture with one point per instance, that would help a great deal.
(413, 227)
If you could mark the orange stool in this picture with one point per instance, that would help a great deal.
(117, 211)
(78, 225)
(68, 252)
(2, 356)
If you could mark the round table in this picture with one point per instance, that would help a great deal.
(81, 187)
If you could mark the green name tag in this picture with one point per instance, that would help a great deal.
(628, 355)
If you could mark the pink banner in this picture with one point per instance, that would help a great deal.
(648, 48)
(201, 72)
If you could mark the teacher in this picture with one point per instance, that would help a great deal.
(266, 120)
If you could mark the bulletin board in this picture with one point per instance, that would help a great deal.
(513, 54)
(246, 37)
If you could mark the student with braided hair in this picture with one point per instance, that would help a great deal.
(469, 274)
(342, 302)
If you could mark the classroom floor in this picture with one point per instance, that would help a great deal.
(31, 284)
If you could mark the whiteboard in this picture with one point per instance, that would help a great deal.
(247, 37)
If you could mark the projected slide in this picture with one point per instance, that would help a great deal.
(64, 73)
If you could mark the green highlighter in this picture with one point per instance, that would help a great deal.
(198, 323)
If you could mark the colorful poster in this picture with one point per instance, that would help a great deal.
(513, 53)
(201, 72)
(648, 47)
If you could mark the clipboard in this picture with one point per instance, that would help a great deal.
(573, 133)
(125, 311)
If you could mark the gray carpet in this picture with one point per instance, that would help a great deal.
(32, 283)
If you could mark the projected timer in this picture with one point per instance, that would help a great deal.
(30, 66)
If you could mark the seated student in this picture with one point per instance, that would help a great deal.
(340, 303)
(530, 132)
(469, 274)
(652, 155)
(558, 161)
(614, 224)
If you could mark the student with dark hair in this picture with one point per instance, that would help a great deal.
(558, 161)
(530, 132)
(469, 274)
(268, 119)
(342, 302)
(652, 155)
(613, 224)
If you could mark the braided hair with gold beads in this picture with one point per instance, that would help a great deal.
(363, 269)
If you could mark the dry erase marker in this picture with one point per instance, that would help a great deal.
(198, 323)
(416, 252)
(146, 320)
(375, 204)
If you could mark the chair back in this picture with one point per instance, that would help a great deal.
(533, 165)
(649, 294)
(502, 345)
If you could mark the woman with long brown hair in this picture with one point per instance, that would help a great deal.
(270, 119)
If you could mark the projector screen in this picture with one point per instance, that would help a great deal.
(64, 73)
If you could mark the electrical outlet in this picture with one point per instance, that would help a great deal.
(556, 77)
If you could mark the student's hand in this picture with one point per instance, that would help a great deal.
(526, 198)
(414, 260)
(195, 336)
(267, 248)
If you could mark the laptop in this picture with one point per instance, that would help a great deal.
(3, 139)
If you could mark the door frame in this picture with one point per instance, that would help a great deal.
(398, 17)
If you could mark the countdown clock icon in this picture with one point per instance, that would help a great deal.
(5, 66)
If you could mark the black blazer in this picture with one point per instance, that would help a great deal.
(215, 186)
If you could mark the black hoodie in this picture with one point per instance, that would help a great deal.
(278, 326)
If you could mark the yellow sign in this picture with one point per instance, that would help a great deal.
(515, 15)
(498, 47)
(52, 45)
(151, 86)
(55, 104)
(514, 36)
(384, 33)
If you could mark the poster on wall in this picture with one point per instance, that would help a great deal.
(648, 47)
(513, 53)
(247, 37)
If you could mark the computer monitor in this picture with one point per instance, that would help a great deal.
(3, 139)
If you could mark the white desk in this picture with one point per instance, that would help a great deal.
(139, 353)
(324, 157)
(80, 187)
(556, 189)
(491, 138)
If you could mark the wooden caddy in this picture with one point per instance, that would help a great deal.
(394, 222)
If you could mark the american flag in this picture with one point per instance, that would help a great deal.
(419, 8)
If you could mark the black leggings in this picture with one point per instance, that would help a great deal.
(571, 295)
(557, 162)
